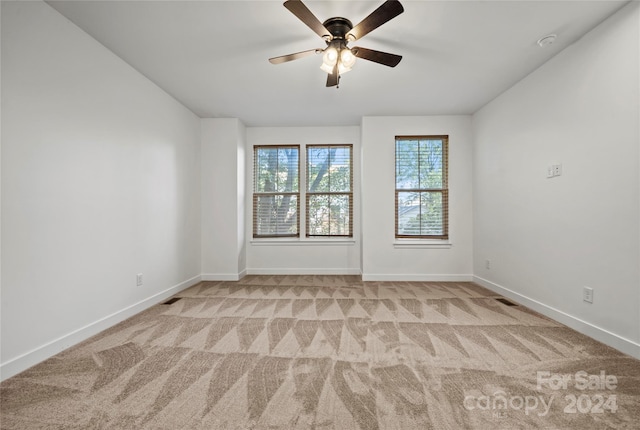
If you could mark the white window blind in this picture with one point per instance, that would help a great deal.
(329, 196)
(422, 195)
(276, 196)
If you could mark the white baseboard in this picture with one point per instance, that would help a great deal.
(224, 276)
(416, 277)
(620, 343)
(290, 271)
(37, 355)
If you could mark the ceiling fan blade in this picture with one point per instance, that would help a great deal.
(291, 57)
(303, 13)
(387, 11)
(380, 57)
(334, 77)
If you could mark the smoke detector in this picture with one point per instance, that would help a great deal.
(547, 40)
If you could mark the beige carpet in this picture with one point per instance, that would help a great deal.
(330, 352)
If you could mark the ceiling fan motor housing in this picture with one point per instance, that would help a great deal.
(338, 27)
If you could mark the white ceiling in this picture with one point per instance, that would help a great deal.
(212, 55)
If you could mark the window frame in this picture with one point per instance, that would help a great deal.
(309, 194)
(256, 195)
(443, 190)
(302, 200)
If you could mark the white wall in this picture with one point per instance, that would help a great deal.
(303, 256)
(100, 181)
(223, 199)
(383, 258)
(547, 238)
(105, 176)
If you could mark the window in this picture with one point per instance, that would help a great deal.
(276, 196)
(329, 199)
(327, 196)
(422, 197)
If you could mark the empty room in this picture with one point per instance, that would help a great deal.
(320, 214)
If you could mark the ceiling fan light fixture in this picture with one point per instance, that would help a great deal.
(329, 59)
(340, 55)
(347, 59)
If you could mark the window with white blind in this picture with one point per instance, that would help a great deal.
(324, 191)
(329, 197)
(422, 195)
(276, 195)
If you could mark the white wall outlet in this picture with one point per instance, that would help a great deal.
(139, 279)
(554, 170)
(587, 294)
(487, 264)
(557, 169)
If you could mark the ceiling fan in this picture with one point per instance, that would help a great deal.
(337, 33)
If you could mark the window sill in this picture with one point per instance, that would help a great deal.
(424, 244)
(303, 242)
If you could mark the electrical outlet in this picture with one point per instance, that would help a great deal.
(557, 169)
(139, 279)
(587, 294)
(554, 170)
(487, 264)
